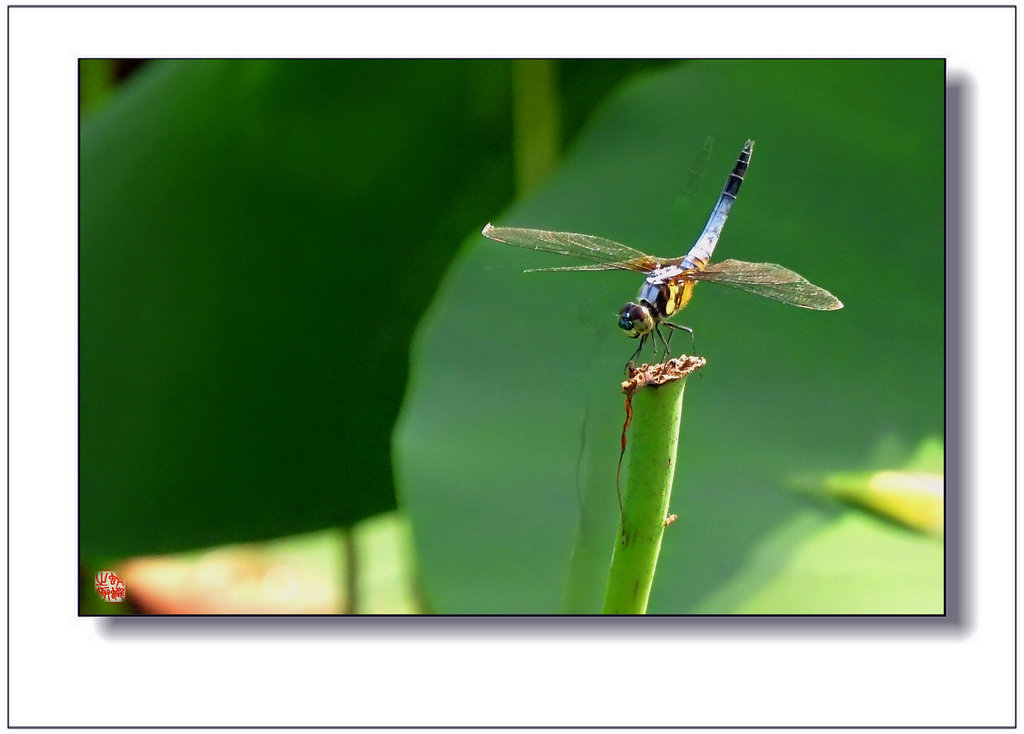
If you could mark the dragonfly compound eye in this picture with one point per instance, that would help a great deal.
(635, 320)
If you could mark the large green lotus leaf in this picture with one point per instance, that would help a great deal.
(510, 430)
(258, 241)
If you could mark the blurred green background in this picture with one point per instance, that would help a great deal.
(293, 336)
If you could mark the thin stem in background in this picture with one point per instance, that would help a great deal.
(96, 78)
(536, 121)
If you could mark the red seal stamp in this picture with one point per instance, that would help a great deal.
(109, 586)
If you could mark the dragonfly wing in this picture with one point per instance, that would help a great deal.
(628, 265)
(604, 254)
(771, 281)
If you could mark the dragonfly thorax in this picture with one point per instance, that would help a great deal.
(637, 319)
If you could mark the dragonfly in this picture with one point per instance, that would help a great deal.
(669, 282)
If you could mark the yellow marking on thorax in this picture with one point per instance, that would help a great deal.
(679, 295)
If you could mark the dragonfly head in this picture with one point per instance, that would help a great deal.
(636, 320)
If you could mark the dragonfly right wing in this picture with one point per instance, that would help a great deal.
(770, 281)
(603, 254)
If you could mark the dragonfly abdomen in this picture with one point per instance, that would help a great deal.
(700, 254)
(732, 184)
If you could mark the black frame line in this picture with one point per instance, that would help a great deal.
(846, 618)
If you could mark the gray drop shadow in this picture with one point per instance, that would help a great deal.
(960, 315)
(597, 628)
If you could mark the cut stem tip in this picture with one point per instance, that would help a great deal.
(656, 375)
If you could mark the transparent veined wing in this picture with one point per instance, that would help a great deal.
(771, 281)
(603, 254)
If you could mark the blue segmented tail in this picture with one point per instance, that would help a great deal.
(700, 254)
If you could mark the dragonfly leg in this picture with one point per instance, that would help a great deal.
(693, 341)
(657, 330)
(635, 354)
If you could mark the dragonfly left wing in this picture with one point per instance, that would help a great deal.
(602, 253)
(770, 281)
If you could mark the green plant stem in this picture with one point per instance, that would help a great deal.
(656, 413)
